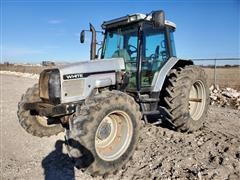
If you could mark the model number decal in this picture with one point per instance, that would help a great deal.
(72, 76)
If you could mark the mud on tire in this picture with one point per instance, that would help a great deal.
(34, 124)
(91, 139)
(186, 96)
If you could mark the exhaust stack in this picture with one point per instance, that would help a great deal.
(93, 43)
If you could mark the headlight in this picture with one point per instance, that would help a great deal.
(50, 86)
(54, 89)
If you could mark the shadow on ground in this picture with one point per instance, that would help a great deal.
(58, 165)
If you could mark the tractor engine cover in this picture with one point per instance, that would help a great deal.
(76, 81)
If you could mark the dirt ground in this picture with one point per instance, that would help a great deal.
(211, 153)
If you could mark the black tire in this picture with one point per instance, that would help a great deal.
(34, 124)
(81, 136)
(175, 96)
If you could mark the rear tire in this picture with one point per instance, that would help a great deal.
(104, 132)
(34, 124)
(186, 96)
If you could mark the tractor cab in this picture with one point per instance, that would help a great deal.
(144, 42)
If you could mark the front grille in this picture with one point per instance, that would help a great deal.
(73, 88)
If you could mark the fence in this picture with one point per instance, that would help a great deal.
(224, 72)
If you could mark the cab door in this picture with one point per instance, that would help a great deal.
(154, 54)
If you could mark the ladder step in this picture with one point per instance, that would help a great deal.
(159, 121)
(149, 100)
(151, 112)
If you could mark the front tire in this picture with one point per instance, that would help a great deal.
(35, 124)
(186, 96)
(104, 132)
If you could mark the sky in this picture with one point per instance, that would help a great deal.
(33, 31)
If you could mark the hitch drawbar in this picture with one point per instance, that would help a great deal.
(49, 110)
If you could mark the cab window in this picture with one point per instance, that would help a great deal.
(154, 54)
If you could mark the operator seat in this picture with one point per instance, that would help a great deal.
(121, 53)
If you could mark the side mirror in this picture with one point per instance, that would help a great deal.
(82, 36)
(158, 19)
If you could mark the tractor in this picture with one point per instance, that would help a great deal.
(135, 78)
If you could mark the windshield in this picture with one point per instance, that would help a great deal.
(121, 43)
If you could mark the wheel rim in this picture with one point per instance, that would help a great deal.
(113, 135)
(197, 100)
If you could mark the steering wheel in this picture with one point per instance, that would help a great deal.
(131, 49)
(153, 56)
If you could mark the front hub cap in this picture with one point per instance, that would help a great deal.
(104, 131)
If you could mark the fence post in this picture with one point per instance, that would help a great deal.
(215, 75)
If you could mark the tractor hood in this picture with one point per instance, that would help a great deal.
(93, 66)
(79, 79)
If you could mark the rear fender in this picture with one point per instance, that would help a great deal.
(173, 62)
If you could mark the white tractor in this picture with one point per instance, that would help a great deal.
(100, 103)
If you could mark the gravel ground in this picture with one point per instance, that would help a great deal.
(212, 153)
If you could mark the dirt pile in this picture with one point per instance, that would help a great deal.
(225, 97)
(33, 69)
(20, 74)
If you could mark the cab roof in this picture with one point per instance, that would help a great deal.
(129, 19)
